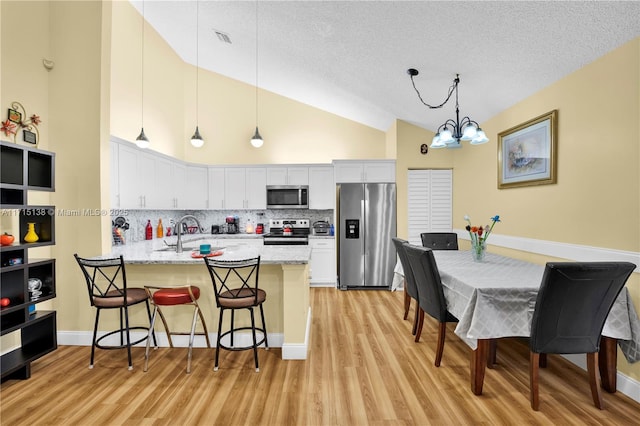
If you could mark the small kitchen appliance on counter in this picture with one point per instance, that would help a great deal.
(287, 232)
(233, 224)
(321, 227)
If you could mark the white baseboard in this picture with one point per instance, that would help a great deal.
(298, 350)
(276, 340)
(83, 338)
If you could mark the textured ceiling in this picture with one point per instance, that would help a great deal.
(351, 57)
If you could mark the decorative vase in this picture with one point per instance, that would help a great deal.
(31, 236)
(478, 250)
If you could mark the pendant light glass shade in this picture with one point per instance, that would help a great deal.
(196, 139)
(256, 140)
(142, 140)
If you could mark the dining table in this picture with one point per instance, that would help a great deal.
(495, 298)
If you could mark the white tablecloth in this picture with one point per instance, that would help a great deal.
(496, 298)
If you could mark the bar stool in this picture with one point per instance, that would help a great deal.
(174, 296)
(235, 283)
(107, 287)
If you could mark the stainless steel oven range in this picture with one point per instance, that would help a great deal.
(287, 232)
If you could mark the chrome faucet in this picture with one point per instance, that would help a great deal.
(178, 229)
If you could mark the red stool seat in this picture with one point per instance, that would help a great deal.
(175, 296)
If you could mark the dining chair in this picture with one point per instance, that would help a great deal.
(235, 284)
(410, 289)
(430, 293)
(440, 240)
(107, 287)
(571, 308)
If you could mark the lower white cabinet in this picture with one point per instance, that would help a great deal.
(323, 262)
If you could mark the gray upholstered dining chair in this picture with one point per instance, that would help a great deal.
(430, 293)
(440, 240)
(572, 306)
(410, 289)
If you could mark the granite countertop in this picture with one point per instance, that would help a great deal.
(157, 252)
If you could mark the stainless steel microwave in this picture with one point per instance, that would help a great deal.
(287, 197)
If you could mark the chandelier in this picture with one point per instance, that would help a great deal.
(451, 132)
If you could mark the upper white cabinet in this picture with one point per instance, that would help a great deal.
(136, 177)
(373, 171)
(216, 188)
(291, 175)
(194, 195)
(322, 188)
(245, 188)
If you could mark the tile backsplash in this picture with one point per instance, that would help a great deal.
(137, 219)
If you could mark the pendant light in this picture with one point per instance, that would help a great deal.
(142, 141)
(196, 139)
(256, 140)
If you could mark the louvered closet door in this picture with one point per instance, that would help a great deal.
(430, 202)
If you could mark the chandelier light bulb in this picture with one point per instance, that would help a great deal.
(446, 136)
(480, 138)
(437, 142)
(469, 133)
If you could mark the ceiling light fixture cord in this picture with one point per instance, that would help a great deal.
(142, 141)
(451, 132)
(196, 139)
(256, 140)
(413, 72)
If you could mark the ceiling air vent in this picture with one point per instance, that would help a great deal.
(223, 37)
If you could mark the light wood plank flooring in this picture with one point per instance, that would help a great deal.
(363, 369)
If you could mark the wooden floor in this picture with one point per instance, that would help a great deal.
(363, 369)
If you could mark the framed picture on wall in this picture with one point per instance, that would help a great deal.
(527, 152)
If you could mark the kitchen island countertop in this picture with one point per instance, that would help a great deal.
(235, 246)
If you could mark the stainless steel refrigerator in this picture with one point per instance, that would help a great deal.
(367, 222)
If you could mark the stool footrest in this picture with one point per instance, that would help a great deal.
(124, 345)
(259, 341)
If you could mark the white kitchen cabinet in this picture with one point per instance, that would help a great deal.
(234, 188)
(168, 178)
(195, 192)
(136, 178)
(322, 188)
(245, 188)
(292, 175)
(323, 262)
(370, 171)
(256, 188)
(216, 187)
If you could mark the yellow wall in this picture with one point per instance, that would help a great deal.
(293, 132)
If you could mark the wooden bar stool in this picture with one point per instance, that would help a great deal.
(174, 296)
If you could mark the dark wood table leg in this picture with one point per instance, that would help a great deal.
(478, 365)
(608, 363)
(492, 353)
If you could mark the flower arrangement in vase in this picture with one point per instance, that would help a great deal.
(479, 237)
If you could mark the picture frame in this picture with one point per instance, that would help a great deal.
(29, 137)
(15, 116)
(527, 152)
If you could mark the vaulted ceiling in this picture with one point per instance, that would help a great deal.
(351, 57)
